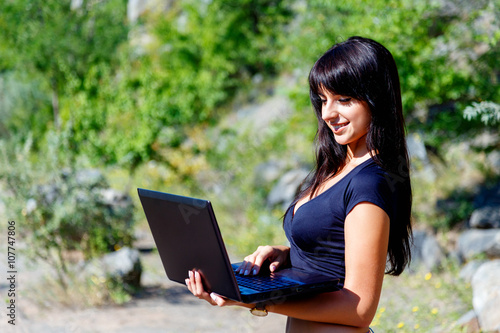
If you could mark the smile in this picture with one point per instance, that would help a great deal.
(337, 127)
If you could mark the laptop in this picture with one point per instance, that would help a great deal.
(187, 237)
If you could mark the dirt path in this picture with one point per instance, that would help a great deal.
(162, 306)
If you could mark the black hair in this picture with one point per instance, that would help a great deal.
(363, 69)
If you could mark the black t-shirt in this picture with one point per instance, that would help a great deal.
(316, 231)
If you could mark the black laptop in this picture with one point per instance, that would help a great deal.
(187, 236)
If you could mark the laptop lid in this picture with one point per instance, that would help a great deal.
(185, 240)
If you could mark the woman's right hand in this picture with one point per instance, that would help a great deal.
(278, 257)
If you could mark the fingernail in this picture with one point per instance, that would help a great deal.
(254, 272)
(187, 281)
(247, 272)
(273, 267)
(197, 274)
(213, 296)
(190, 273)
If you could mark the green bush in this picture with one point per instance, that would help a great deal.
(63, 207)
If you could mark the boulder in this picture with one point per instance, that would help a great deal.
(485, 217)
(469, 269)
(475, 242)
(123, 265)
(486, 295)
(426, 251)
(268, 172)
(285, 190)
(469, 322)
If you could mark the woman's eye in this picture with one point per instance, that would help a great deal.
(345, 100)
(323, 101)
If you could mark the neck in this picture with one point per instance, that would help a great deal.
(355, 157)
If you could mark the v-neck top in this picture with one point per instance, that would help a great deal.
(316, 230)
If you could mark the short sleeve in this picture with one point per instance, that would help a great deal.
(370, 187)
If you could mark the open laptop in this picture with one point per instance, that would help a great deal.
(187, 236)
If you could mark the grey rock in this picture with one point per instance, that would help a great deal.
(90, 178)
(123, 265)
(426, 251)
(475, 242)
(469, 321)
(268, 172)
(486, 295)
(285, 190)
(494, 160)
(469, 269)
(416, 147)
(259, 117)
(485, 217)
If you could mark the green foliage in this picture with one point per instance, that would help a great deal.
(57, 45)
(488, 112)
(180, 67)
(63, 208)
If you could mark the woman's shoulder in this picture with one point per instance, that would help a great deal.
(370, 171)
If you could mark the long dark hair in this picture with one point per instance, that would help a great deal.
(363, 69)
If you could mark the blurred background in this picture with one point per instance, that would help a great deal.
(209, 98)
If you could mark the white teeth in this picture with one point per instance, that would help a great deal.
(337, 127)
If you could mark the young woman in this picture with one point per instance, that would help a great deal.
(352, 221)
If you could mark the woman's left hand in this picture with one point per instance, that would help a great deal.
(195, 285)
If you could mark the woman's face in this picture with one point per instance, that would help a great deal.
(348, 118)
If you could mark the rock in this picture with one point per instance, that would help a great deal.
(285, 190)
(258, 118)
(417, 151)
(469, 321)
(268, 172)
(494, 160)
(416, 147)
(474, 242)
(114, 198)
(89, 178)
(485, 217)
(468, 271)
(486, 295)
(123, 265)
(426, 251)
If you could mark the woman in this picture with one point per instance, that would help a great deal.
(352, 221)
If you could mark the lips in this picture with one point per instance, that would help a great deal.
(338, 127)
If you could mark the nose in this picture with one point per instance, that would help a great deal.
(329, 112)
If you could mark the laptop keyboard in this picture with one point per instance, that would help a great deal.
(263, 282)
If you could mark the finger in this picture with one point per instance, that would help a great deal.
(274, 265)
(280, 260)
(200, 289)
(247, 265)
(190, 283)
(266, 253)
(222, 301)
(193, 283)
(217, 299)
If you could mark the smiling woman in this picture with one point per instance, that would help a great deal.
(352, 220)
